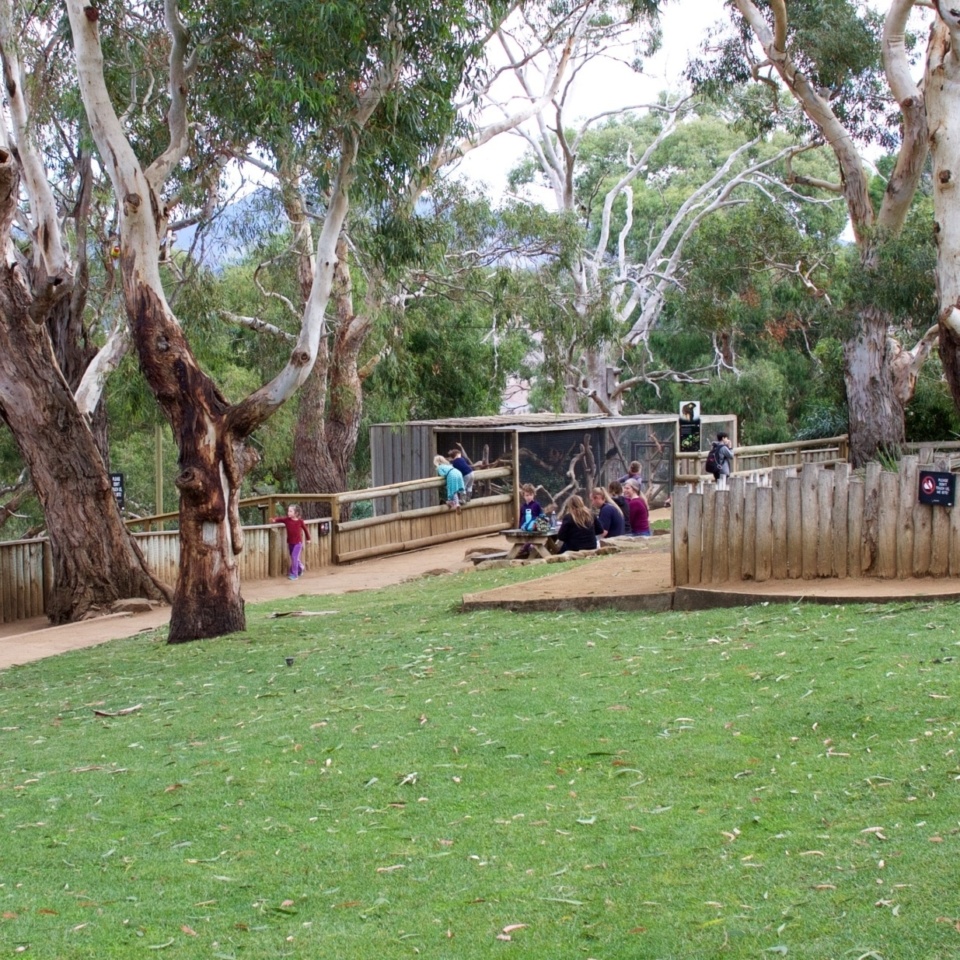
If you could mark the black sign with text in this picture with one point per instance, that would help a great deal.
(116, 482)
(937, 488)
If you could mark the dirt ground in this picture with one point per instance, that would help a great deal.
(637, 578)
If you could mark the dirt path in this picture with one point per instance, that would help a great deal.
(638, 578)
(28, 640)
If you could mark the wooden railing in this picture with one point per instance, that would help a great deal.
(691, 467)
(26, 572)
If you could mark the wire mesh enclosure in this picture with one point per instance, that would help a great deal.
(560, 454)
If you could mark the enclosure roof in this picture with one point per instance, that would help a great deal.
(537, 421)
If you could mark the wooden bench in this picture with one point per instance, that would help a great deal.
(533, 540)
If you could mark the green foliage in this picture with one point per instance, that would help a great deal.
(932, 414)
(835, 43)
(28, 516)
(760, 399)
(689, 785)
(290, 75)
(900, 278)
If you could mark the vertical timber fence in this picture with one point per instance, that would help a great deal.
(811, 522)
(26, 572)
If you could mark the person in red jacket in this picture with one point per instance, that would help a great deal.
(639, 511)
(297, 533)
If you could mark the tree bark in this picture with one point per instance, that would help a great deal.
(942, 86)
(95, 559)
(879, 382)
(874, 398)
(213, 461)
(331, 401)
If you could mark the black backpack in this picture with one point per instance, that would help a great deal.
(712, 465)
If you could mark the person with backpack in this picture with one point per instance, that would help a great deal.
(720, 458)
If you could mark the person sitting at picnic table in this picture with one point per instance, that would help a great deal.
(639, 511)
(530, 509)
(579, 528)
(615, 489)
(608, 514)
(454, 478)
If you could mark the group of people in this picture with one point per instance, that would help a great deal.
(619, 510)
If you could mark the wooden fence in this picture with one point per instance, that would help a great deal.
(26, 571)
(814, 522)
(690, 467)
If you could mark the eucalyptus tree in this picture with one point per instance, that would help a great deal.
(434, 124)
(640, 187)
(942, 100)
(348, 73)
(828, 55)
(47, 346)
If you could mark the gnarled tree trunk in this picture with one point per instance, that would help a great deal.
(874, 401)
(95, 559)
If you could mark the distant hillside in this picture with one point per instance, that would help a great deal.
(234, 229)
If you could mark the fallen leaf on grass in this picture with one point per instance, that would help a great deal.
(189, 931)
(824, 886)
(954, 923)
(118, 713)
(396, 866)
(302, 613)
(877, 831)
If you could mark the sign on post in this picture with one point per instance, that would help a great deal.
(690, 426)
(116, 483)
(937, 488)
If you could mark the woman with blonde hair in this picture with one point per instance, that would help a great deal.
(454, 481)
(579, 528)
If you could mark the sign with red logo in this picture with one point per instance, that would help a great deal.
(937, 488)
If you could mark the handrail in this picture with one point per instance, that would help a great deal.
(825, 442)
(268, 501)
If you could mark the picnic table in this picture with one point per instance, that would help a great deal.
(535, 540)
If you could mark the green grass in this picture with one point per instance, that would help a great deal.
(738, 783)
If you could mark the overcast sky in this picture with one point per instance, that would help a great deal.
(608, 84)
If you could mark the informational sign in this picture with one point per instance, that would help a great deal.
(937, 488)
(116, 482)
(690, 426)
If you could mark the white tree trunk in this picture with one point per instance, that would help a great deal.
(942, 84)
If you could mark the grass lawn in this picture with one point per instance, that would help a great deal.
(762, 782)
